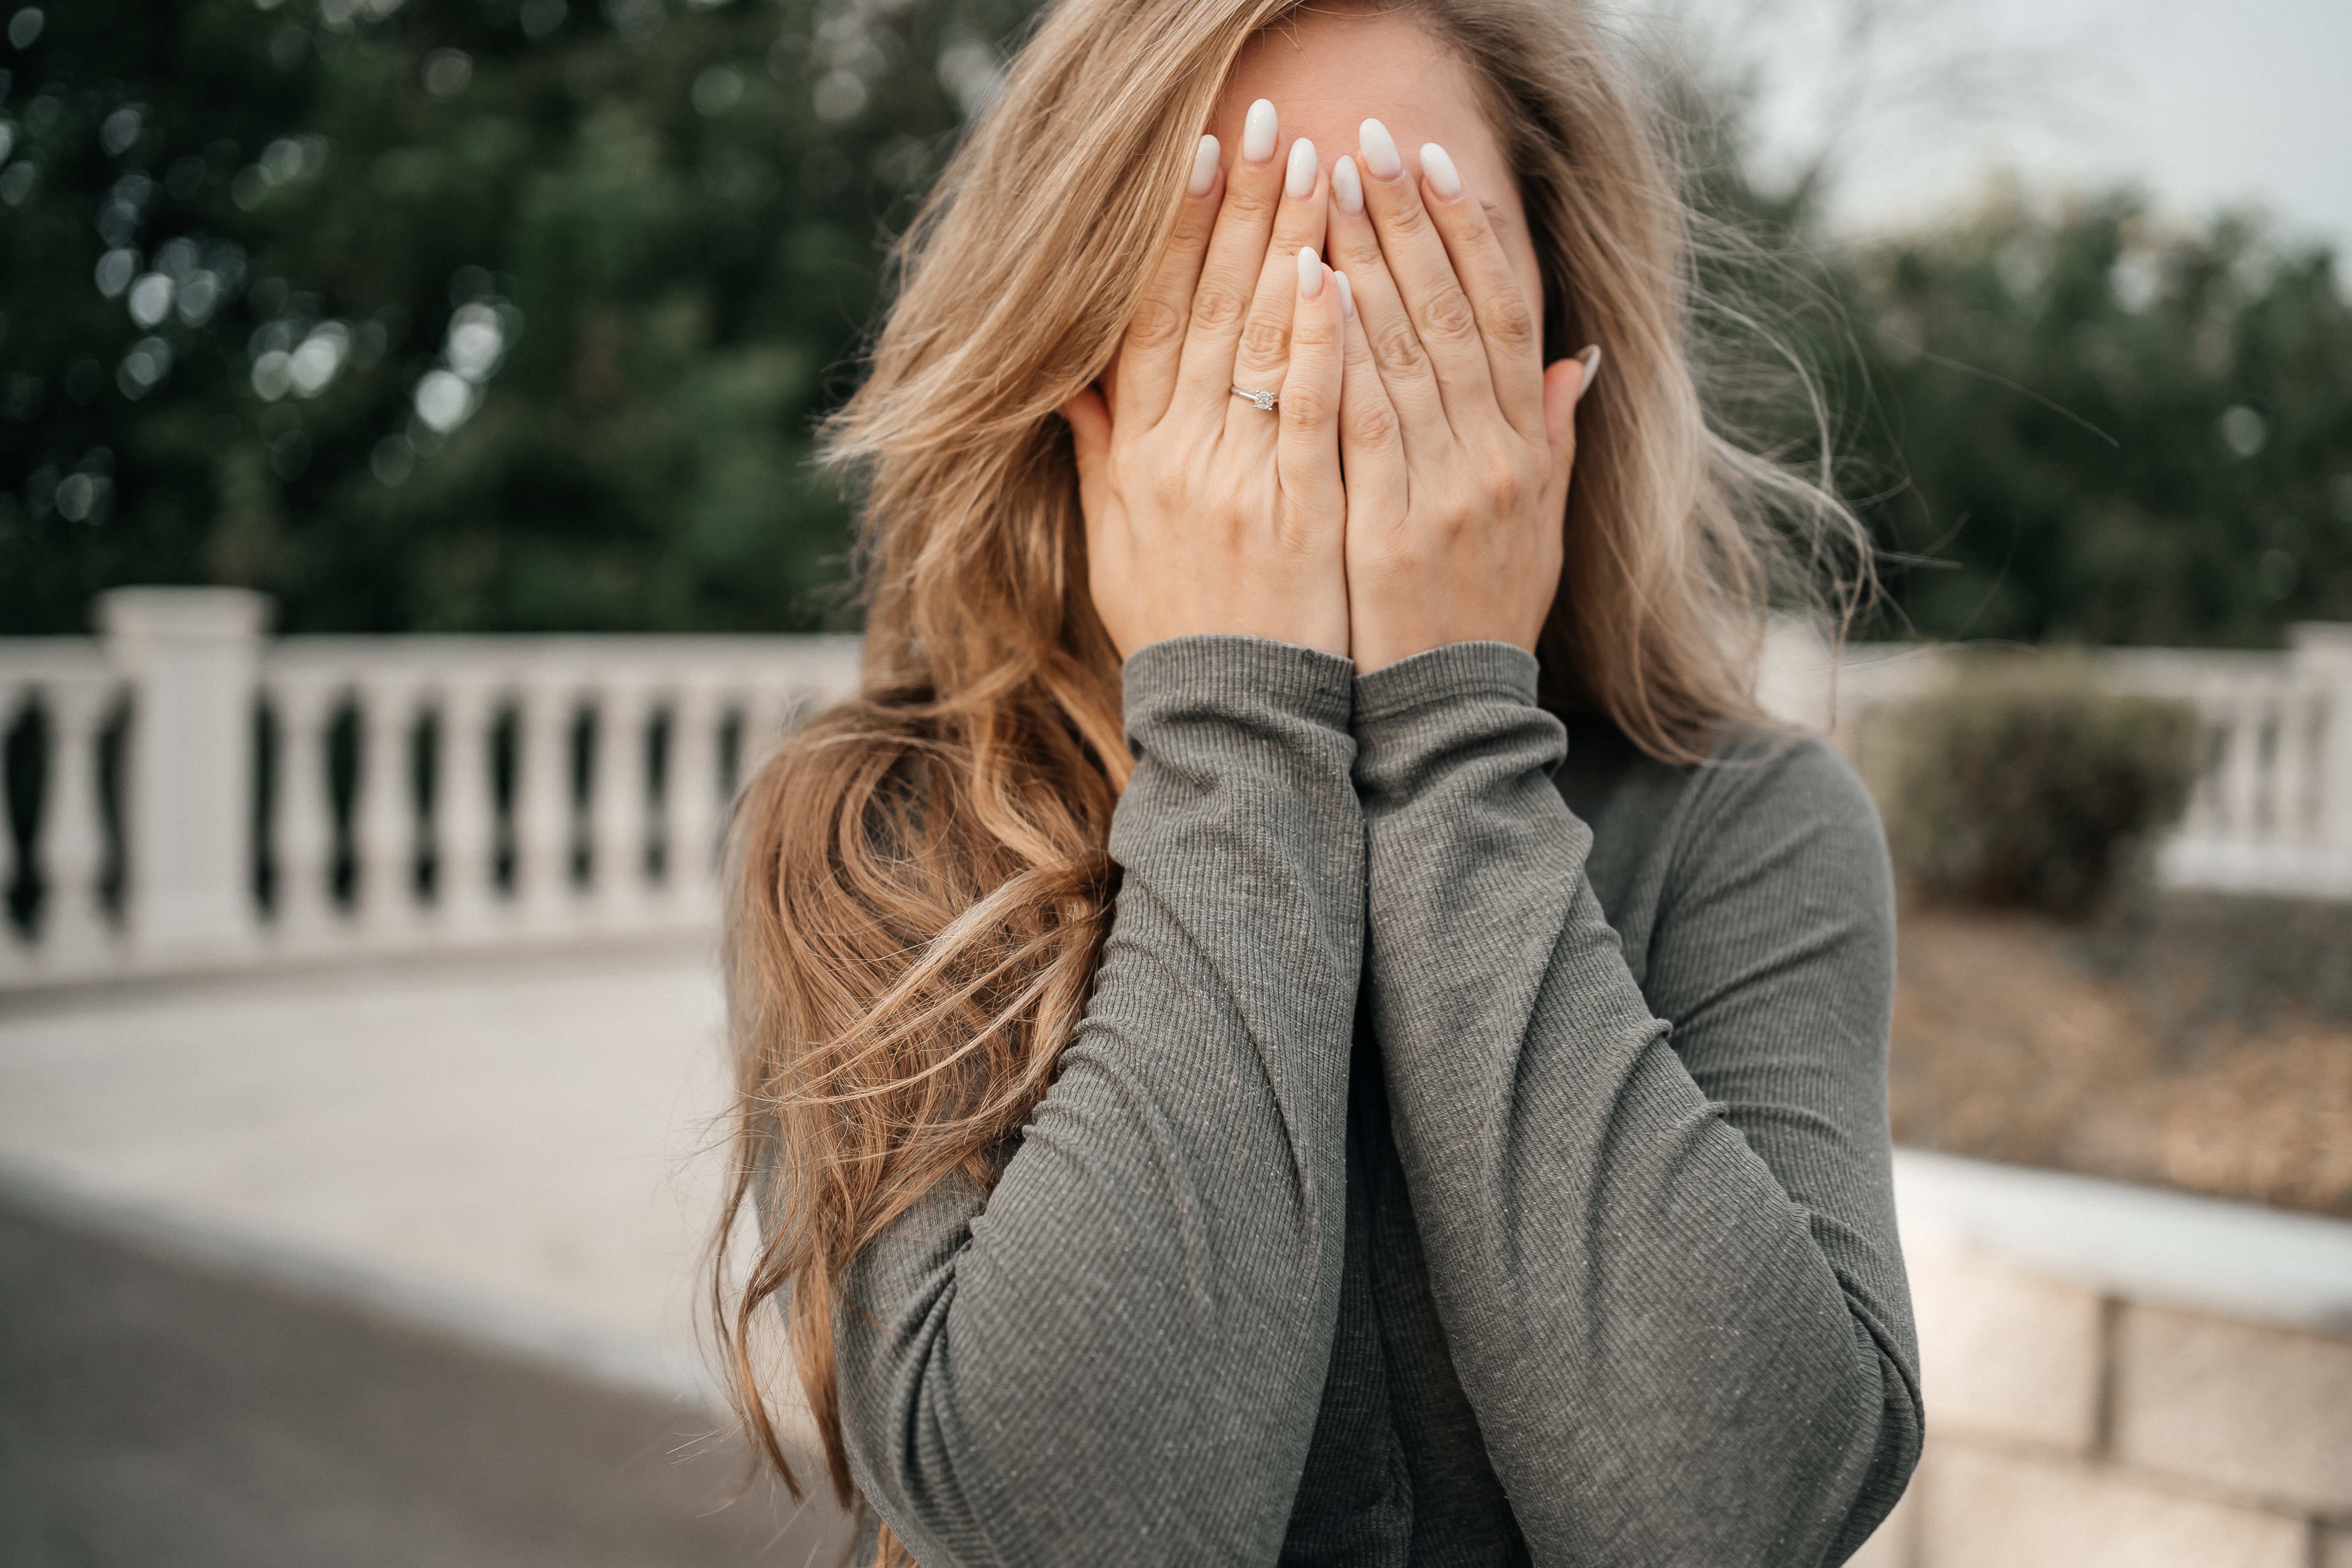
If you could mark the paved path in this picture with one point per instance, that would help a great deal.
(524, 1134)
(514, 1156)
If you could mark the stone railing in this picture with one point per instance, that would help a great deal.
(206, 797)
(209, 796)
(2121, 1377)
(2273, 808)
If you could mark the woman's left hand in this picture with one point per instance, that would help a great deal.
(1455, 439)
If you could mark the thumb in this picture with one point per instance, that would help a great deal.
(1564, 387)
(1089, 422)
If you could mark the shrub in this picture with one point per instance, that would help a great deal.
(2025, 780)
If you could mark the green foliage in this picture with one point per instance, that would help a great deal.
(2062, 421)
(2025, 781)
(637, 246)
(2094, 427)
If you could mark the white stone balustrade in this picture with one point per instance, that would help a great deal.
(618, 755)
(426, 848)
(2272, 811)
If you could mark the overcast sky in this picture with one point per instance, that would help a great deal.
(2209, 103)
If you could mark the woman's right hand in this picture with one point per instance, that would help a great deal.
(1204, 514)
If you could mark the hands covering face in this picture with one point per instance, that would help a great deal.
(1407, 488)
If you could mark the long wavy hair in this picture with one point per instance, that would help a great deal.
(918, 878)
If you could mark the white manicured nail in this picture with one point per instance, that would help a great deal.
(1437, 164)
(1303, 166)
(1347, 297)
(1204, 167)
(1589, 356)
(1346, 188)
(1381, 160)
(1310, 273)
(1258, 133)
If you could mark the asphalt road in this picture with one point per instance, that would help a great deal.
(155, 1411)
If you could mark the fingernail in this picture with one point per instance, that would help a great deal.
(1590, 357)
(1310, 273)
(1347, 189)
(1347, 297)
(1303, 166)
(1381, 160)
(1437, 165)
(1204, 167)
(1259, 132)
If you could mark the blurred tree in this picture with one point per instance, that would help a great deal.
(456, 315)
(502, 314)
(2102, 428)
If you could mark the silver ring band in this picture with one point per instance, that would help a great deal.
(1263, 401)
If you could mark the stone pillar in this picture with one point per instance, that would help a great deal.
(190, 657)
(2322, 651)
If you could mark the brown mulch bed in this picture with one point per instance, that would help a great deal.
(2160, 1052)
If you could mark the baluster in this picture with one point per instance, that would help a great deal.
(691, 798)
(2241, 766)
(384, 818)
(543, 800)
(16, 949)
(75, 931)
(465, 804)
(305, 703)
(2288, 749)
(617, 798)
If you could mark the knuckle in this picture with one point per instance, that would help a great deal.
(1359, 251)
(1157, 324)
(1218, 306)
(1398, 349)
(1409, 221)
(1448, 318)
(1308, 403)
(1371, 426)
(1506, 486)
(1169, 489)
(1316, 330)
(1246, 201)
(1511, 324)
(1265, 340)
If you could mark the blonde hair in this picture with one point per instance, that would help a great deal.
(921, 886)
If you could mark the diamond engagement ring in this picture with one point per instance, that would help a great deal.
(1263, 400)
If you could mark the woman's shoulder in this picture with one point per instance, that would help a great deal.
(1760, 803)
(1780, 807)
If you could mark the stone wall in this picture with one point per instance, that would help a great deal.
(2119, 1375)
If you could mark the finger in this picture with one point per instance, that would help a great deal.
(1307, 457)
(1440, 311)
(1564, 387)
(1152, 350)
(1371, 447)
(1264, 353)
(1229, 274)
(1409, 381)
(1507, 323)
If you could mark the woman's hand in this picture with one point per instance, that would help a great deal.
(1457, 441)
(1204, 514)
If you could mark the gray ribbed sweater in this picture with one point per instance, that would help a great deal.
(1466, 1158)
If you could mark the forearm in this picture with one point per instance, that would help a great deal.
(1117, 1354)
(1665, 1363)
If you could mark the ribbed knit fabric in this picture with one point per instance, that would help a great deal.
(1573, 1243)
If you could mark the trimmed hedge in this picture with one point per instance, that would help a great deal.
(2026, 780)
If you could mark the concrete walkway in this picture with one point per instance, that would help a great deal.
(516, 1153)
(525, 1135)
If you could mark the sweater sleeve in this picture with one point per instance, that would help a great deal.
(1117, 1355)
(1660, 1228)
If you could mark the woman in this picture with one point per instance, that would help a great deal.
(1215, 1083)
